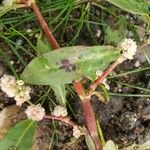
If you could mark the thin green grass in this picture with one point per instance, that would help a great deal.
(6, 61)
(132, 86)
(129, 72)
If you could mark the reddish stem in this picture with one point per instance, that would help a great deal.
(91, 123)
(61, 118)
(95, 83)
(79, 88)
(88, 114)
(43, 24)
(87, 108)
(45, 27)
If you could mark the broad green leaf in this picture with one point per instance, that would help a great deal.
(5, 9)
(139, 7)
(42, 45)
(68, 64)
(19, 137)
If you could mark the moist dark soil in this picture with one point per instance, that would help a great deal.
(124, 119)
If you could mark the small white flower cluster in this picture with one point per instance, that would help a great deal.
(35, 112)
(60, 111)
(76, 132)
(16, 89)
(129, 48)
(21, 93)
(104, 82)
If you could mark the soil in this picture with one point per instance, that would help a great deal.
(125, 120)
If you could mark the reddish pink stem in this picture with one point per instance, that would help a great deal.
(79, 88)
(62, 119)
(91, 123)
(95, 83)
(45, 27)
(43, 24)
(88, 112)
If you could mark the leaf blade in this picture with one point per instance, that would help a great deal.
(139, 7)
(14, 138)
(68, 64)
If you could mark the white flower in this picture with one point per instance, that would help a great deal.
(15, 88)
(8, 85)
(23, 96)
(76, 132)
(60, 111)
(20, 82)
(35, 112)
(129, 48)
(104, 82)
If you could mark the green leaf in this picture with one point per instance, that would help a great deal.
(89, 142)
(19, 137)
(60, 92)
(110, 146)
(116, 35)
(42, 45)
(5, 9)
(139, 7)
(68, 64)
(113, 36)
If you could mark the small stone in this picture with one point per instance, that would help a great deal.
(137, 64)
(98, 33)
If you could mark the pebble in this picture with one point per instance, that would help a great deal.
(127, 120)
(137, 64)
(98, 34)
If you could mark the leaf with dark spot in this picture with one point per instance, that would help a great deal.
(63, 66)
(66, 65)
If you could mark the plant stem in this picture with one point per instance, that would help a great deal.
(62, 119)
(43, 24)
(45, 27)
(88, 114)
(87, 108)
(91, 123)
(106, 72)
(79, 89)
